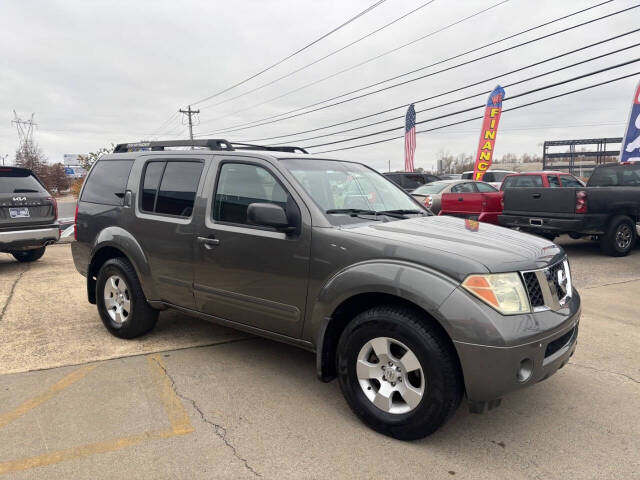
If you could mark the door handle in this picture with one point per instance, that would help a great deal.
(536, 195)
(460, 199)
(209, 243)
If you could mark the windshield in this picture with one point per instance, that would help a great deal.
(18, 181)
(435, 187)
(336, 185)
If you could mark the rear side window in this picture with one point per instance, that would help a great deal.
(485, 187)
(169, 188)
(13, 180)
(240, 185)
(107, 182)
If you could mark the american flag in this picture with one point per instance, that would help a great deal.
(409, 138)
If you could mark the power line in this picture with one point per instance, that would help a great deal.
(445, 93)
(274, 119)
(482, 116)
(164, 125)
(579, 77)
(365, 11)
(430, 34)
(304, 67)
(565, 67)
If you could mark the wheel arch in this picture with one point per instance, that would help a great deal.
(367, 285)
(116, 242)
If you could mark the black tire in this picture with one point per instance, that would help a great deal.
(140, 318)
(575, 235)
(24, 256)
(620, 237)
(443, 388)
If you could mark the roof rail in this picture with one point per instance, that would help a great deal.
(283, 148)
(211, 144)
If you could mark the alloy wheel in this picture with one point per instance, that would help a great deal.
(117, 299)
(390, 375)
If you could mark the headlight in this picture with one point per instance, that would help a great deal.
(503, 291)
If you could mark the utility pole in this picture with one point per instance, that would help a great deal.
(4, 157)
(190, 114)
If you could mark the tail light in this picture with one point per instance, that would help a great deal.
(428, 201)
(75, 224)
(581, 201)
(54, 204)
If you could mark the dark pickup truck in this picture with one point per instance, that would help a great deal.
(608, 208)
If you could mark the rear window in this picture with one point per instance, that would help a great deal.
(628, 176)
(169, 188)
(569, 181)
(522, 181)
(466, 175)
(19, 181)
(107, 182)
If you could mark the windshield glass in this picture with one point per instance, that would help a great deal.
(336, 185)
(435, 187)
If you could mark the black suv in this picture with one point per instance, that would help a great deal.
(28, 215)
(409, 181)
(409, 310)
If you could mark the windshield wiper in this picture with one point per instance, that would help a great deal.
(402, 212)
(354, 212)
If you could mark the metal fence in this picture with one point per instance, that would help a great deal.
(582, 160)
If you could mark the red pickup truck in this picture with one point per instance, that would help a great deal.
(481, 201)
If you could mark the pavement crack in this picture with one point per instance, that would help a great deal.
(218, 429)
(12, 291)
(612, 283)
(628, 377)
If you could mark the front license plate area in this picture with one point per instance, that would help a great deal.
(22, 212)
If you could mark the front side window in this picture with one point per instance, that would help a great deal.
(169, 188)
(107, 182)
(240, 185)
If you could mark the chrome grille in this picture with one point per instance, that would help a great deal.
(549, 288)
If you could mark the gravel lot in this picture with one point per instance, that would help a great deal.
(194, 400)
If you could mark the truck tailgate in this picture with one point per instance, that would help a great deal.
(539, 200)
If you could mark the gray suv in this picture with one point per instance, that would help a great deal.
(410, 311)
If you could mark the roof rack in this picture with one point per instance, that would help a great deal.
(210, 144)
(282, 148)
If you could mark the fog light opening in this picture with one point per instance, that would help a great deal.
(525, 370)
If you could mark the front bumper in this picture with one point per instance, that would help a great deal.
(491, 372)
(29, 238)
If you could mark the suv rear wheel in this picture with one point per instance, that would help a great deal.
(121, 302)
(397, 372)
(24, 256)
(620, 237)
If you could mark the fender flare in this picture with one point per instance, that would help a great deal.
(122, 240)
(424, 287)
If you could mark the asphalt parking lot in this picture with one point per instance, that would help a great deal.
(194, 400)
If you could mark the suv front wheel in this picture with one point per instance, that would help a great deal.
(398, 373)
(121, 302)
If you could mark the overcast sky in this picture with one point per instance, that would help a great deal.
(102, 72)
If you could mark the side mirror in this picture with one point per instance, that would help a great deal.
(269, 215)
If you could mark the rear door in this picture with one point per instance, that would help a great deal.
(24, 202)
(165, 224)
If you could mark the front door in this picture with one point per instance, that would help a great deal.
(248, 274)
(467, 199)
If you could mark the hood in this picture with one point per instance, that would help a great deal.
(499, 249)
